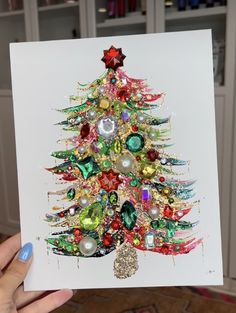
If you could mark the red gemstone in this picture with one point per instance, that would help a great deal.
(122, 94)
(113, 58)
(142, 230)
(138, 158)
(107, 240)
(84, 131)
(161, 179)
(168, 211)
(109, 180)
(152, 155)
(165, 249)
(68, 177)
(78, 239)
(77, 232)
(134, 128)
(115, 225)
(61, 214)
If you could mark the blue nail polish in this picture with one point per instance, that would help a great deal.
(25, 252)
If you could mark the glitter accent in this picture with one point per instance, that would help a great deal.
(126, 262)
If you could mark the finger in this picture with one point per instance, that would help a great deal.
(49, 303)
(16, 272)
(8, 250)
(23, 298)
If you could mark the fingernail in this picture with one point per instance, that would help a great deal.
(26, 252)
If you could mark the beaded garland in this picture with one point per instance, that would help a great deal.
(123, 191)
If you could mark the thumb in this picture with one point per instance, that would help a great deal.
(16, 272)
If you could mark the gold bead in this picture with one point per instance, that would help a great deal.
(95, 94)
(104, 104)
(166, 191)
(148, 171)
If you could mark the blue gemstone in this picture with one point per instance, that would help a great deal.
(125, 116)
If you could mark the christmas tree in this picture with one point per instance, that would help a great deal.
(123, 190)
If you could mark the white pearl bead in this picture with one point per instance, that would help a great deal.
(152, 135)
(101, 90)
(141, 118)
(154, 213)
(125, 163)
(88, 246)
(84, 201)
(163, 161)
(81, 150)
(91, 114)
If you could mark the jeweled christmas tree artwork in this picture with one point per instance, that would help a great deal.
(122, 189)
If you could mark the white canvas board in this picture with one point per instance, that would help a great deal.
(44, 75)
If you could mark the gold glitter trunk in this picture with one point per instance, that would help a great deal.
(126, 262)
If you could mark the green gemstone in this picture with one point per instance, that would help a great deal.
(91, 216)
(71, 194)
(158, 224)
(170, 233)
(106, 163)
(113, 197)
(117, 147)
(170, 225)
(155, 224)
(128, 215)
(102, 146)
(171, 200)
(133, 183)
(69, 248)
(88, 167)
(162, 223)
(135, 142)
(73, 158)
(136, 241)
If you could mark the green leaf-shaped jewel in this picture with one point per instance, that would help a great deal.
(63, 154)
(71, 193)
(128, 215)
(91, 216)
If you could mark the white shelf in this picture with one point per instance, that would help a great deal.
(123, 21)
(202, 12)
(58, 6)
(11, 13)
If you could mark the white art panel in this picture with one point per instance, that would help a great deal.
(159, 161)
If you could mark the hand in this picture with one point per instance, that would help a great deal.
(13, 269)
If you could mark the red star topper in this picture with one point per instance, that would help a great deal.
(109, 180)
(113, 58)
